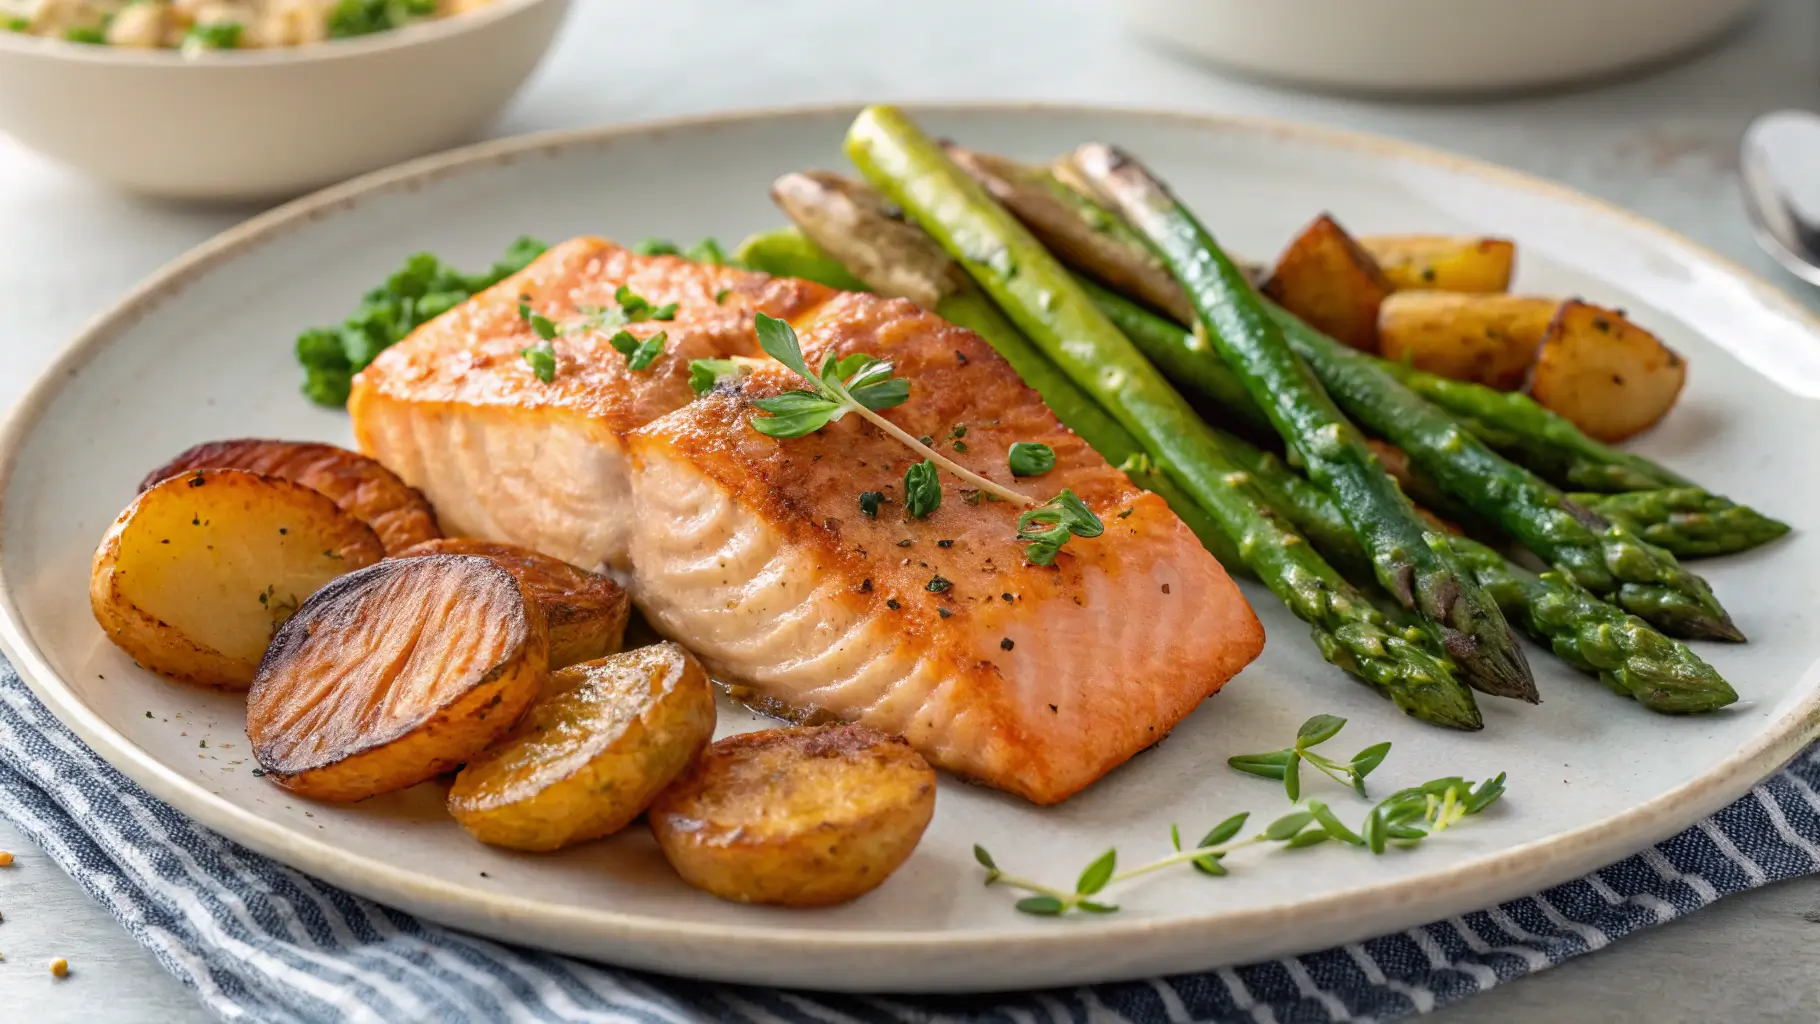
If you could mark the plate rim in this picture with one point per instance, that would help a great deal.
(1513, 871)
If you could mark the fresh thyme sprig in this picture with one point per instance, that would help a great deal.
(1286, 765)
(1404, 818)
(859, 384)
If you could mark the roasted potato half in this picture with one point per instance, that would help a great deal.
(201, 570)
(361, 486)
(803, 817)
(1446, 263)
(1485, 339)
(1612, 378)
(1329, 280)
(586, 611)
(600, 743)
(395, 674)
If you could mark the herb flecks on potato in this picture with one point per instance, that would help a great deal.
(1611, 378)
(796, 817)
(375, 495)
(395, 674)
(198, 573)
(604, 739)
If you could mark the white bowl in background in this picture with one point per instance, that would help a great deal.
(266, 124)
(1433, 46)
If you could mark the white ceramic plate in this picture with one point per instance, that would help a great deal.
(203, 351)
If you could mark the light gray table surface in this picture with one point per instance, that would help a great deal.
(1662, 143)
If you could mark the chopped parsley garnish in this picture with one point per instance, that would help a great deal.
(214, 35)
(365, 17)
(636, 307)
(707, 250)
(542, 357)
(705, 373)
(541, 325)
(922, 489)
(869, 502)
(89, 36)
(937, 584)
(16, 24)
(960, 446)
(656, 247)
(1064, 516)
(1031, 458)
(639, 354)
(720, 297)
(423, 289)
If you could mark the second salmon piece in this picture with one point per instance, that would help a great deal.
(755, 552)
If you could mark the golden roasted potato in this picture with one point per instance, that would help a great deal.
(1327, 279)
(1444, 263)
(395, 674)
(1612, 378)
(1486, 339)
(804, 817)
(361, 486)
(586, 611)
(199, 572)
(600, 743)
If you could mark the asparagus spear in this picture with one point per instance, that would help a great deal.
(1054, 314)
(1686, 521)
(1603, 556)
(1411, 560)
(878, 253)
(1622, 650)
(1526, 433)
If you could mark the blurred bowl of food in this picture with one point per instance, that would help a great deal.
(1433, 46)
(258, 99)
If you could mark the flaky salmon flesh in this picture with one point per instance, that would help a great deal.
(754, 552)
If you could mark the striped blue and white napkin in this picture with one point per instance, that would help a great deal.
(258, 941)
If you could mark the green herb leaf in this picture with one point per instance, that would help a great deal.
(1064, 515)
(656, 247)
(214, 35)
(707, 250)
(1209, 865)
(1097, 908)
(869, 502)
(1046, 906)
(922, 489)
(1097, 874)
(541, 325)
(88, 35)
(985, 859)
(1292, 777)
(647, 352)
(1487, 794)
(778, 340)
(542, 357)
(1225, 830)
(793, 414)
(1267, 766)
(1030, 458)
(1331, 822)
(667, 311)
(1365, 762)
(1175, 834)
(1406, 833)
(1306, 839)
(937, 584)
(1318, 729)
(705, 373)
(1287, 826)
(1373, 830)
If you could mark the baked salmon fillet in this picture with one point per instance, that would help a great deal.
(754, 551)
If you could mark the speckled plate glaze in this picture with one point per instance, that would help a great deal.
(203, 350)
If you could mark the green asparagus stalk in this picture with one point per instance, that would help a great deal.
(1053, 313)
(1686, 521)
(1603, 556)
(1623, 651)
(1411, 560)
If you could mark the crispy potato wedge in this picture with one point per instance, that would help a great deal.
(586, 611)
(394, 674)
(804, 817)
(200, 571)
(601, 742)
(1486, 339)
(375, 495)
(1444, 263)
(1330, 281)
(1612, 378)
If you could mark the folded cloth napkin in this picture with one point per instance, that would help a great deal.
(258, 941)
